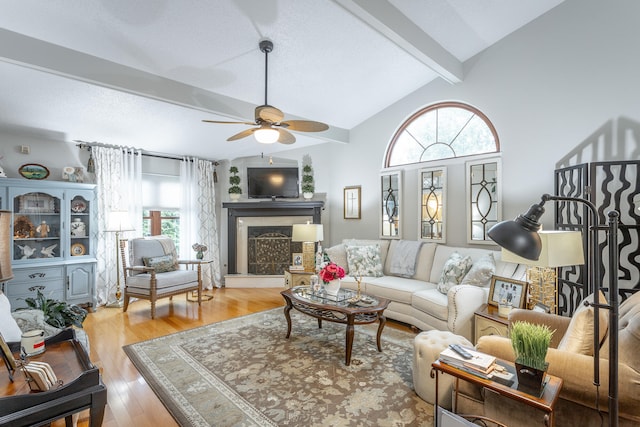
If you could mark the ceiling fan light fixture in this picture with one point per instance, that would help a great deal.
(266, 135)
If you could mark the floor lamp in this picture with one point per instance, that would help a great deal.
(308, 234)
(521, 237)
(118, 222)
(559, 249)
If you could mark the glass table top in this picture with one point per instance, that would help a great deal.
(344, 298)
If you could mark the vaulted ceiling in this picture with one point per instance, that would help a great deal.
(145, 73)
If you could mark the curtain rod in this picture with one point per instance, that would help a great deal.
(88, 145)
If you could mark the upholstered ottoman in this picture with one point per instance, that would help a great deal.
(426, 349)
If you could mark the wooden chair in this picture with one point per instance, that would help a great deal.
(152, 271)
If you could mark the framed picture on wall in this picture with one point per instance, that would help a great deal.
(352, 202)
(507, 290)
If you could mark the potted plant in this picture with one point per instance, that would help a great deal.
(234, 191)
(57, 313)
(307, 182)
(530, 343)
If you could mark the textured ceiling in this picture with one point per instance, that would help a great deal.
(146, 73)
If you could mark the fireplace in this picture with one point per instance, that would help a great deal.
(242, 216)
(269, 249)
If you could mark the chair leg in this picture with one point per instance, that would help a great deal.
(200, 295)
(153, 309)
(126, 303)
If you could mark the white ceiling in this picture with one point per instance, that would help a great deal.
(145, 73)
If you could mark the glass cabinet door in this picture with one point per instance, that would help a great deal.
(80, 224)
(37, 226)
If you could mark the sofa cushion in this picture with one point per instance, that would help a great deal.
(8, 326)
(579, 335)
(168, 281)
(433, 302)
(398, 289)
(424, 261)
(364, 260)
(453, 271)
(161, 264)
(338, 255)
(384, 246)
(628, 333)
(481, 271)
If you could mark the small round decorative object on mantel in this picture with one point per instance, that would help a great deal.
(307, 195)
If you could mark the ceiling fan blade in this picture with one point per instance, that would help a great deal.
(269, 113)
(304, 125)
(285, 137)
(245, 133)
(229, 123)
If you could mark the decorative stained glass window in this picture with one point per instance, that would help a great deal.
(432, 204)
(483, 198)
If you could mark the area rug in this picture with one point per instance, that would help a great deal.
(244, 372)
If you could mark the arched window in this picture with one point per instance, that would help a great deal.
(442, 131)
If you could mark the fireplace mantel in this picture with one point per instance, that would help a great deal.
(268, 208)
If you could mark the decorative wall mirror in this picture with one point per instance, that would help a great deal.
(484, 198)
(433, 185)
(390, 192)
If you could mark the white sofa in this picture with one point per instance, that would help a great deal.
(416, 300)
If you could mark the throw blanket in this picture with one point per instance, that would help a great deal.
(403, 262)
(168, 247)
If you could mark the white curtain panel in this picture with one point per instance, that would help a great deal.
(119, 187)
(198, 216)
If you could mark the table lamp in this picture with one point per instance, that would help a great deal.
(559, 249)
(308, 234)
(118, 222)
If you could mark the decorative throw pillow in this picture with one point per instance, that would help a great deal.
(8, 326)
(364, 260)
(162, 264)
(453, 271)
(481, 271)
(579, 335)
(338, 255)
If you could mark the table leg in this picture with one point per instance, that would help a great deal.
(287, 309)
(383, 321)
(319, 323)
(434, 374)
(349, 343)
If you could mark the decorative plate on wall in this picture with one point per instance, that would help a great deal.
(33, 171)
(78, 206)
(78, 249)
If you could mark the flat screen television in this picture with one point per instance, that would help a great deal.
(281, 182)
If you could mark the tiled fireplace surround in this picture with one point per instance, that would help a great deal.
(259, 234)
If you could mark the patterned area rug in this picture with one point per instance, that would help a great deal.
(244, 372)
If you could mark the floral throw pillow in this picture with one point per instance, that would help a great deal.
(364, 260)
(162, 264)
(481, 271)
(453, 271)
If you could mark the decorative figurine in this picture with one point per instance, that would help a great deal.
(78, 228)
(27, 251)
(43, 229)
(48, 251)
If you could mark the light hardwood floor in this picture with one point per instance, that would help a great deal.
(130, 401)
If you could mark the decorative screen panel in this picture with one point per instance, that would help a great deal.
(433, 205)
(390, 196)
(484, 207)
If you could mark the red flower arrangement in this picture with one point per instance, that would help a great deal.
(331, 271)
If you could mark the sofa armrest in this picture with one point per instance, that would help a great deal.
(463, 302)
(576, 371)
(556, 323)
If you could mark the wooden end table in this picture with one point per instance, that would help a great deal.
(339, 311)
(545, 402)
(487, 322)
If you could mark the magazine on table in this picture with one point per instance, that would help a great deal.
(478, 361)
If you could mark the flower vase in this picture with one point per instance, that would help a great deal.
(333, 287)
(199, 255)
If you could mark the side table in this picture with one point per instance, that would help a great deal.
(487, 322)
(545, 402)
(297, 278)
(194, 294)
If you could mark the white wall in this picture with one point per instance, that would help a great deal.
(565, 83)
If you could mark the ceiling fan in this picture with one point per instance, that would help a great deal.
(268, 119)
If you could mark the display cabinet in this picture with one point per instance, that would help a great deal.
(54, 231)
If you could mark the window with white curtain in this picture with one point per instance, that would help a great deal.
(161, 195)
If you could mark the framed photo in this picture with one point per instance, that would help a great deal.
(37, 203)
(296, 259)
(352, 202)
(33, 171)
(7, 356)
(509, 290)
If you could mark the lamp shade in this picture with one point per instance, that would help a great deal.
(520, 236)
(5, 245)
(307, 233)
(558, 249)
(266, 135)
(119, 221)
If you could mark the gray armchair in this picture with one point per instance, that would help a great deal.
(152, 271)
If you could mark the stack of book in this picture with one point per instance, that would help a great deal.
(478, 363)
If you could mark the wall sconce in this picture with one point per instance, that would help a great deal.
(308, 234)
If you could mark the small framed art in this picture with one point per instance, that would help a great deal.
(352, 202)
(503, 289)
(296, 260)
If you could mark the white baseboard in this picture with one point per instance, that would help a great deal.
(253, 281)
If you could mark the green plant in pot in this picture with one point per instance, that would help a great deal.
(57, 313)
(530, 343)
(234, 191)
(308, 186)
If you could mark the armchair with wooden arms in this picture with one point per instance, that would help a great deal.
(152, 271)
